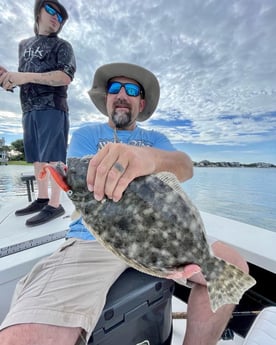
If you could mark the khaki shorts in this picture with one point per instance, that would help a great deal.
(68, 288)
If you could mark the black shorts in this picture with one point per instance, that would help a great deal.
(45, 135)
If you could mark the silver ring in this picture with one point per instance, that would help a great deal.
(119, 167)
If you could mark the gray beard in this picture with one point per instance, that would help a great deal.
(121, 119)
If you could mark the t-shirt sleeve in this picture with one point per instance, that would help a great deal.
(82, 143)
(66, 59)
(160, 141)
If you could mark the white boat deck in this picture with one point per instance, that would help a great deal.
(13, 229)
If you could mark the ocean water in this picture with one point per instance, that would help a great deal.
(244, 194)
(11, 186)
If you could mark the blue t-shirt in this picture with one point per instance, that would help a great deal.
(89, 139)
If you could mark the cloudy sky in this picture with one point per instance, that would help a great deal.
(215, 60)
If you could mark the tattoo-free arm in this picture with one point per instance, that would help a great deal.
(177, 162)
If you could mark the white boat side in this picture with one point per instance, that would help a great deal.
(256, 244)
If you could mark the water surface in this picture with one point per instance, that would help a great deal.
(243, 194)
(11, 185)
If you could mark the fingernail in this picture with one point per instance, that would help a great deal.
(90, 187)
(97, 197)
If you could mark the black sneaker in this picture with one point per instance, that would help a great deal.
(35, 206)
(45, 215)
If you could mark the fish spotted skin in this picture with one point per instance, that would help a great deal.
(156, 229)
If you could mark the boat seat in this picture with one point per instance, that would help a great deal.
(263, 330)
(137, 311)
(29, 179)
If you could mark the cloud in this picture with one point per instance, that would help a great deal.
(215, 61)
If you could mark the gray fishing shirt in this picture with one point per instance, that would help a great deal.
(41, 54)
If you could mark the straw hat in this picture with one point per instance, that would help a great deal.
(144, 77)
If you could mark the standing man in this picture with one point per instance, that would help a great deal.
(60, 301)
(46, 68)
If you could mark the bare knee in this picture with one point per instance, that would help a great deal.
(230, 255)
(33, 334)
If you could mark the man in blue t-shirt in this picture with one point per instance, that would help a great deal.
(68, 289)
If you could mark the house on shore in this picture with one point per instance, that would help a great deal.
(3, 153)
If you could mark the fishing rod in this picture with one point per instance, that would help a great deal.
(183, 315)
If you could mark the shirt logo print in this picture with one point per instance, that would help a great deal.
(30, 53)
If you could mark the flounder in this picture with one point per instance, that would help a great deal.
(154, 228)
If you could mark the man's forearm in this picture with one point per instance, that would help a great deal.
(54, 78)
(177, 162)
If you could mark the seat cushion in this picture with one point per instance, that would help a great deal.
(263, 330)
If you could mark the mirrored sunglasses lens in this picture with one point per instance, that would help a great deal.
(60, 19)
(50, 10)
(53, 12)
(132, 90)
(114, 88)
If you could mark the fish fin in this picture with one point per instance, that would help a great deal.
(75, 215)
(228, 286)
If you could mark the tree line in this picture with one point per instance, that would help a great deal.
(14, 151)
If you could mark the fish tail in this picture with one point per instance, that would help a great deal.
(227, 283)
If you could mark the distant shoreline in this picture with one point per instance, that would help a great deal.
(203, 164)
(17, 163)
(206, 163)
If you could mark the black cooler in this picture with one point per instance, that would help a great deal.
(137, 312)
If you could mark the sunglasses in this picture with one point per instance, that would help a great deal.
(52, 11)
(132, 90)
